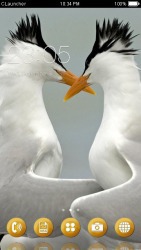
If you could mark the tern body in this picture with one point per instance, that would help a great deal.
(121, 119)
(24, 120)
(115, 156)
(30, 153)
(111, 64)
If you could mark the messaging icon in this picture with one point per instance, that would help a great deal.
(43, 227)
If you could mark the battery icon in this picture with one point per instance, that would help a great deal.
(133, 3)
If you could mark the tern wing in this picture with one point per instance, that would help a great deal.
(121, 201)
(22, 193)
(31, 197)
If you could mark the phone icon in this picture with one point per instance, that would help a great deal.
(16, 227)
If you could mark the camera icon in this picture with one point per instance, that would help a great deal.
(97, 227)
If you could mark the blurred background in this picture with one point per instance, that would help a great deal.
(76, 122)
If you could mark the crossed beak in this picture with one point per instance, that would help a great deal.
(77, 84)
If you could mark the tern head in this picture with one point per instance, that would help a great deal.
(111, 48)
(28, 52)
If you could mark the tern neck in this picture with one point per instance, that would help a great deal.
(121, 87)
(21, 102)
(24, 124)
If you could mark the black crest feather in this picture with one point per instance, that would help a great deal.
(108, 35)
(30, 31)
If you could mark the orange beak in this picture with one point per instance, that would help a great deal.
(79, 84)
(69, 79)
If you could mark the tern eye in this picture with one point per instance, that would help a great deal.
(87, 64)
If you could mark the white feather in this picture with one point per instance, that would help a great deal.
(29, 147)
(115, 156)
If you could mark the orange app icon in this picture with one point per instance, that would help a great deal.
(97, 227)
(124, 227)
(43, 227)
(70, 227)
(16, 227)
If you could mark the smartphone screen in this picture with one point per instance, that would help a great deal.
(70, 100)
